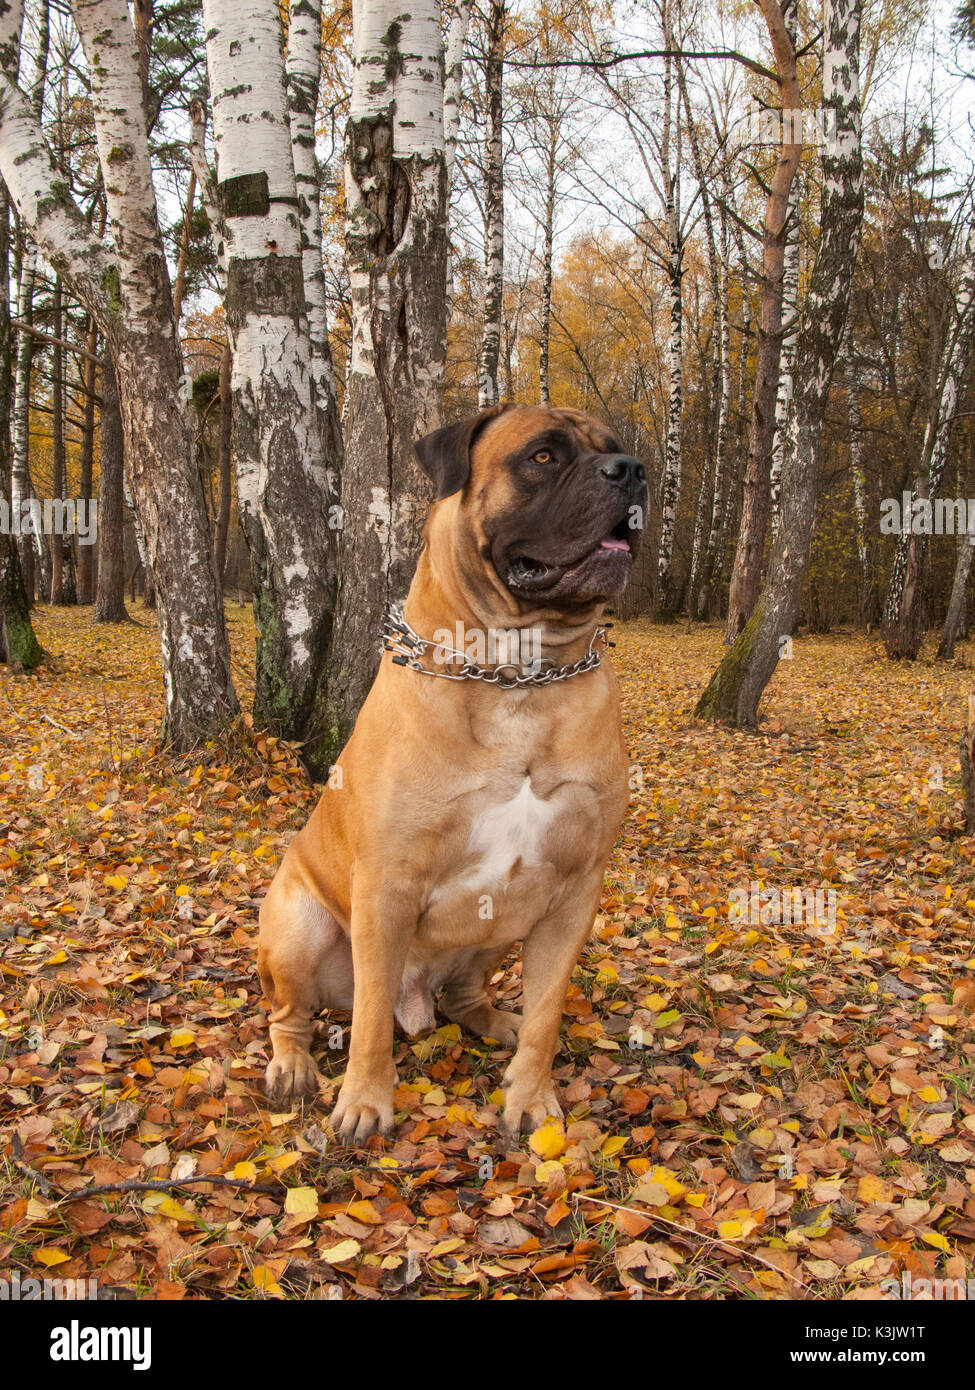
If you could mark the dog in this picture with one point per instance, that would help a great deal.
(468, 813)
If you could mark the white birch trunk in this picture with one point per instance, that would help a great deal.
(460, 18)
(396, 253)
(303, 77)
(790, 320)
(902, 630)
(737, 686)
(282, 485)
(487, 385)
(670, 487)
(128, 295)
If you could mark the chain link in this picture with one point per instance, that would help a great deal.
(408, 647)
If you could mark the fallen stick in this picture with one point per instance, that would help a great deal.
(163, 1185)
(700, 1235)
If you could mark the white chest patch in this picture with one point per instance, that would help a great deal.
(503, 834)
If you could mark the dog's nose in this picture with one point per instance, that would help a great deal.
(625, 471)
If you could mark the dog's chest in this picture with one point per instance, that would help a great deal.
(501, 870)
(507, 834)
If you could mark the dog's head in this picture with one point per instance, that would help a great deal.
(546, 498)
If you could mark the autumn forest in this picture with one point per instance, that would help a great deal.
(281, 277)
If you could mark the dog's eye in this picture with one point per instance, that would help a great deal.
(543, 456)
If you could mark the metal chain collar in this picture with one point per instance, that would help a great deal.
(408, 648)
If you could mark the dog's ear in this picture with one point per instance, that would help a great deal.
(445, 455)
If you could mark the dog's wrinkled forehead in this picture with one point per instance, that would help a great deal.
(509, 432)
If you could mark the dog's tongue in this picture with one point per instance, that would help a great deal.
(612, 544)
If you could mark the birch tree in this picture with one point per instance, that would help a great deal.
(790, 309)
(736, 687)
(746, 576)
(20, 482)
(279, 398)
(126, 289)
(303, 77)
(670, 486)
(110, 584)
(18, 643)
(958, 602)
(487, 382)
(903, 632)
(396, 255)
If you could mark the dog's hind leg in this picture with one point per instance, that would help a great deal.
(465, 998)
(305, 964)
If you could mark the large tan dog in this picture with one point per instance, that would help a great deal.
(466, 815)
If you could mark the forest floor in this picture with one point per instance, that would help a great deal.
(754, 1108)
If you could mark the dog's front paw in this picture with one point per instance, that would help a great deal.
(532, 1098)
(363, 1108)
(289, 1078)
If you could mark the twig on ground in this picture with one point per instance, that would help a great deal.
(689, 1232)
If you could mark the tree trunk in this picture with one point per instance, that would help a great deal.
(487, 381)
(790, 312)
(129, 296)
(396, 252)
(903, 630)
(18, 644)
(968, 767)
(59, 487)
(224, 457)
(868, 599)
(303, 73)
(735, 689)
(670, 486)
(282, 487)
(746, 577)
(702, 552)
(958, 603)
(20, 484)
(110, 593)
(86, 553)
(548, 243)
(715, 540)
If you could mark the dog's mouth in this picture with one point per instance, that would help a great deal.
(605, 565)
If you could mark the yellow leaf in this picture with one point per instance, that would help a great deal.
(549, 1172)
(116, 881)
(444, 1247)
(280, 1162)
(265, 1281)
(872, 1189)
(174, 1210)
(301, 1201)
(338, 1254)
(729, 1230)
(246, 1170)
(548, 1141)
(50, 1255)
(366, 1213)
(936, 1239)
(612, 1145)
(183, 1037)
